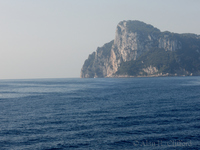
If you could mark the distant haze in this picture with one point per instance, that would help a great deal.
(52, 38)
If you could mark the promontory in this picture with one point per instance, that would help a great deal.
(141, 50)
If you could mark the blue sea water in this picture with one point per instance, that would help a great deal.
(101, 113)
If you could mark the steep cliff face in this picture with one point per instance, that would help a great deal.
(97, 64)
(169, 44)
(133, 39)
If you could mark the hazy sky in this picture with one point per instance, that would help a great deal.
(52, 38)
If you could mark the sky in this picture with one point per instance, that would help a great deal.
(52, 38)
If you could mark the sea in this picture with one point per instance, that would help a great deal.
(100, 114)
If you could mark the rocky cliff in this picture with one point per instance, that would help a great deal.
(140, 49)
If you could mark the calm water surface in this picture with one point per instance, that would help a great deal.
(110, 113)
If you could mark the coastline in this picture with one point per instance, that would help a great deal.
(154, 75)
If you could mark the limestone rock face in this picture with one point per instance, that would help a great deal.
(169, 44)
(132, 40)
(131, 44)
(97, 64)
(150, 70)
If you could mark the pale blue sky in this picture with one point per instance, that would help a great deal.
(52, 38)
